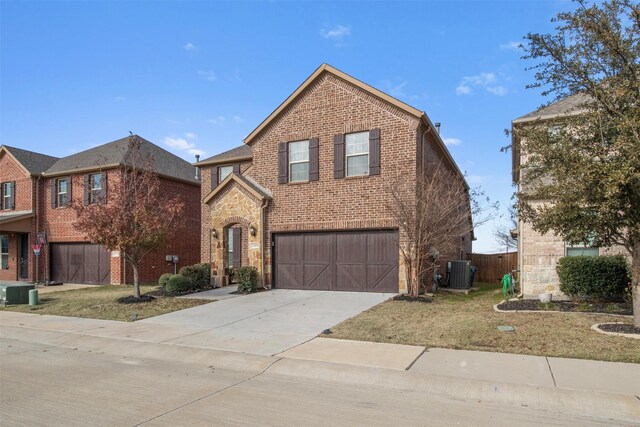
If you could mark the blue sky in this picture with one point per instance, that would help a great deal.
(197, 77)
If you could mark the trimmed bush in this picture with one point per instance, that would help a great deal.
(199, 274)
(162, 281)
(178, 283)
(247, 278)
(598, 278)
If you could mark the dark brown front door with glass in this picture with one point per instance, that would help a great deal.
(234, 247)
(24, 256)
(360, 261)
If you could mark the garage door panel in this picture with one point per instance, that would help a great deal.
(382, 278)
(317, 276)
(351, 248)
(382, 247)
(351, 277)
(317, 248)
(290, 276)
(80, 263)
(289, 248)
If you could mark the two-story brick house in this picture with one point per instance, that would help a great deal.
(303, 199)
(538, 254)
(44, 190)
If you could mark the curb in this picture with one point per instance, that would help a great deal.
(597, 405)
(495, 308)
(596, 328)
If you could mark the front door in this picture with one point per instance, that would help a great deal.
(234, 247)
(24, 256)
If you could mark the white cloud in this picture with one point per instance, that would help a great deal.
(182, 145)
(452, 141)
(190, 135)
(190, 47)
(207, 75)
(511, 46)
(217, 120)
(485, 81)
(394, 89)
(337, 33)
(237, 119)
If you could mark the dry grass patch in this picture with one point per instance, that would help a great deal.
(99, 302)
(469, 322)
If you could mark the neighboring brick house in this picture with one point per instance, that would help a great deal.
(45, 189)
(303, 200)
(538, 254)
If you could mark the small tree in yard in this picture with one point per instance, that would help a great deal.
(137, 218)
(434, 222)
(502, 233)
(581, 174)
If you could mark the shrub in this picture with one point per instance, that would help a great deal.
(162, 281)
(178, 283)
(231, 272)
(247, 278)
(199, 274)
(599, 278)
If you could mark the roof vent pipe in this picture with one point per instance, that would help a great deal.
(437, 125)
(197, 168)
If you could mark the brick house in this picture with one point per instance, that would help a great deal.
(538, 254)
(39, 190)
(303, 199)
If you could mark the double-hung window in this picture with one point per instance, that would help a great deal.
(4, 251)
(582, 249)
(223, 172)
(357, 153)
(299, 161)
(62, 191)
(7, 195)
(95, 188)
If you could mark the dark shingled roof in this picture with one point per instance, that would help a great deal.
(570, 104)
(242, 152)
(35, 163)
(114, 153)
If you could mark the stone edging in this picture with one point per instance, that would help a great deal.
(495, 308)
(615, 334)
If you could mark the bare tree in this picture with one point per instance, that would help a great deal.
(432, 224)
(503, 232)
(136, 218)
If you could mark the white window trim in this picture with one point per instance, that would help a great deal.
(4, 254)
(220, 178)
(94, 192)
(364, 153)
(59, 193)
(6, 198)
(298, 161)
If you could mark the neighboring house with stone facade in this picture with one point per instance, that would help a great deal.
(538, 254)
(37, 192)
(303, 199)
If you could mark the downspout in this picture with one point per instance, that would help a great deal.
(264, 240)
(37, 187)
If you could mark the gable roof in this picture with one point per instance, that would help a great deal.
(243, 152)
(33, 163)
(114, 154)
(326, 68)
(569, 106)
(247, 184)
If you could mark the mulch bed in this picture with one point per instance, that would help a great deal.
(246, 293)
(161, 292)
(409, 298)
(570, 306)
(130, 299)
(621, 329)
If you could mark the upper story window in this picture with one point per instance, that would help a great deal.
(299, 161)
(8, 195)
(4, 251)
(95, 187)
(62, 192)
(223, 172)
(357, 153)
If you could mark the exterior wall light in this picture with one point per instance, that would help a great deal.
(252, 230)
(214, 233)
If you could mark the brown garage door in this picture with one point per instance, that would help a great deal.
(360, 261)
(80, 263)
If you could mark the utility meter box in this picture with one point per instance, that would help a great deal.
(16, 294)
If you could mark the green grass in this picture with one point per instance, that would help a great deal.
(469, 322)
(99, 302)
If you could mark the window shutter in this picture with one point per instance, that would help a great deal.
(103, 191)
(236, 168)
(374, 151)
(54, 194)
(314, 159)
(69, 191)
(237, 247)
(283, 163)
(12, 202)
(214, 177)
(1, 195)
(338, 156)
(87, 190)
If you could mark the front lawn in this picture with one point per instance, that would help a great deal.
(469, 322)
(99, 302)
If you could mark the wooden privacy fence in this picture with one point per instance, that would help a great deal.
(492, 267)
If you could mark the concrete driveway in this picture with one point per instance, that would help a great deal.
(265, 323)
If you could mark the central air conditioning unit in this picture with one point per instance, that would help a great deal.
(459, 274)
